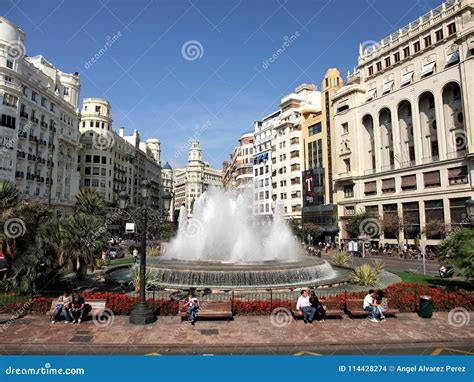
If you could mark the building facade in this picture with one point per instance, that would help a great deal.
(106, 161)
(39, 137)
(317, 125)
(167, 185)
(194, 179)
(404, 121)
(262, 166)
(288, 149)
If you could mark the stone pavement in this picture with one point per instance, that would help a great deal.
(35, 335)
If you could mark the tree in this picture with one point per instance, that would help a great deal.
(435, 229)
(355, 225)
(90, 202)
(311, 229)
(457, 249)
(295, 227)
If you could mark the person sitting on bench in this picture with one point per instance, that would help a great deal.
(78, 307)
(371, 306)
(320, 314)
(304, 306)
(379, 295)
(62, 305)
(191, 307)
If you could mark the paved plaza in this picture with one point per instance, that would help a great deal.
(242, 335)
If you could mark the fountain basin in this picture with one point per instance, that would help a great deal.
(307, 271)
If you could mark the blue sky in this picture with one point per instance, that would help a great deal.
(217, 94)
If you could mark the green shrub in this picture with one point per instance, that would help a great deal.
(151, 280)
(341, 258)
(152, 252)
(101, 263)
(365, 275)
(378, 266)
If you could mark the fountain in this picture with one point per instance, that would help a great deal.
(223, 246)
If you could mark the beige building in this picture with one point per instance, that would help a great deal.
(319, 195)
(237, 173)
(194, 179)
(167, 185)
(287, 149)
(106, 160)
(404, 127)
(39, 136)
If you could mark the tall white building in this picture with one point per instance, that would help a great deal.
(39, 137)
(405, 137)
(288, 159)
(106, 160)
(194, 179)
(262, 166)
(167, 185)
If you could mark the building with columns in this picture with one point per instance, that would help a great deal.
(194, 179)
(404, 128)
(39, 136)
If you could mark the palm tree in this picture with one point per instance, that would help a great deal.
(90, 202)
(9, 195)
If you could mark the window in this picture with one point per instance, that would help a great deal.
(345, 127)
(372, 210)
(387, 87)
(396, 57)
(371, 70)
(347, 164)
(350, 210)
(87, 170)
(431, 179)
(434, 213)
(457, 210)
(428, 68)
(314, 129)
(87, 182)
(349, 191)
(51, 107)
(10, 100)
(95, 171)
(96, 159)
(427, 41)
(439, 35)
(370, 188)
(104, 160)
(451, 29)
(458, 175)
(411, 218)
(391, 221)
(416, 46)
(406, 52)
(88, 158)
(407, 78)
(379, 66)
(409, 182)
(95, 182)
(43, 101)
(371, 94)
(315, 154)
(8, 121)
(97, 109)
(388, 185)
(342, 108)
(387, 61)
(33, 96)
(66, 91)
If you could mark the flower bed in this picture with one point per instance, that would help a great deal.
(403, 296)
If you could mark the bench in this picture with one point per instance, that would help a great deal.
(94, 308)
(354, 308)
(209, 309)
(333, 309)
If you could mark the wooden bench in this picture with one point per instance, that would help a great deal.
(333, 309)
(94, 308)
(354, 309)
(209, 309)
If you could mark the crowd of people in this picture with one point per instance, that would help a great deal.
(72, 307)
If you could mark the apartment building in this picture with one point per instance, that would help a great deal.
(167, 185)
(194, 179)
(262, 166)
(107, 160)
(317, 125)
(404, 127)
(39, 137)
(287, 149)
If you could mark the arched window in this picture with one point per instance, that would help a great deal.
(368, 123)
(386, 139)
(407, 142)
(428, 126)
(454, 120)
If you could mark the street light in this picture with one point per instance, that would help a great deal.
(142, 314)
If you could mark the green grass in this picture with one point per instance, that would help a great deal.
(433, 281)
(123, 261)
(9, 298)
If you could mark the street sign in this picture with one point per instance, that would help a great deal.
(129, 227)
(352, 246)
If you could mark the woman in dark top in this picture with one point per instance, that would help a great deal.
(316, 304)
(77, 308)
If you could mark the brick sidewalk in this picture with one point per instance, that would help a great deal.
(33, 333)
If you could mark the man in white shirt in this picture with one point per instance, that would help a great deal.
(304, 306)
(370, 306)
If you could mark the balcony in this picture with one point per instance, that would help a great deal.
(20, 154)
(43, 124)
(30, 176)
(23, 115)
(19, 174)
(34, 120)
(22, 134)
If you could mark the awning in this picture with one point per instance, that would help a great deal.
(409, 181)
(431, 178)
(260, 158)
(371, 94)
(265, 156)
(370, 187)
(452, 58)
(407, 78)
(388, 183)
(428, 68)
(457, 171)
(387, 86)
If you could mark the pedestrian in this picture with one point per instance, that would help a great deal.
(135, 255)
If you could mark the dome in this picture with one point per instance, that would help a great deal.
(167, 166)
